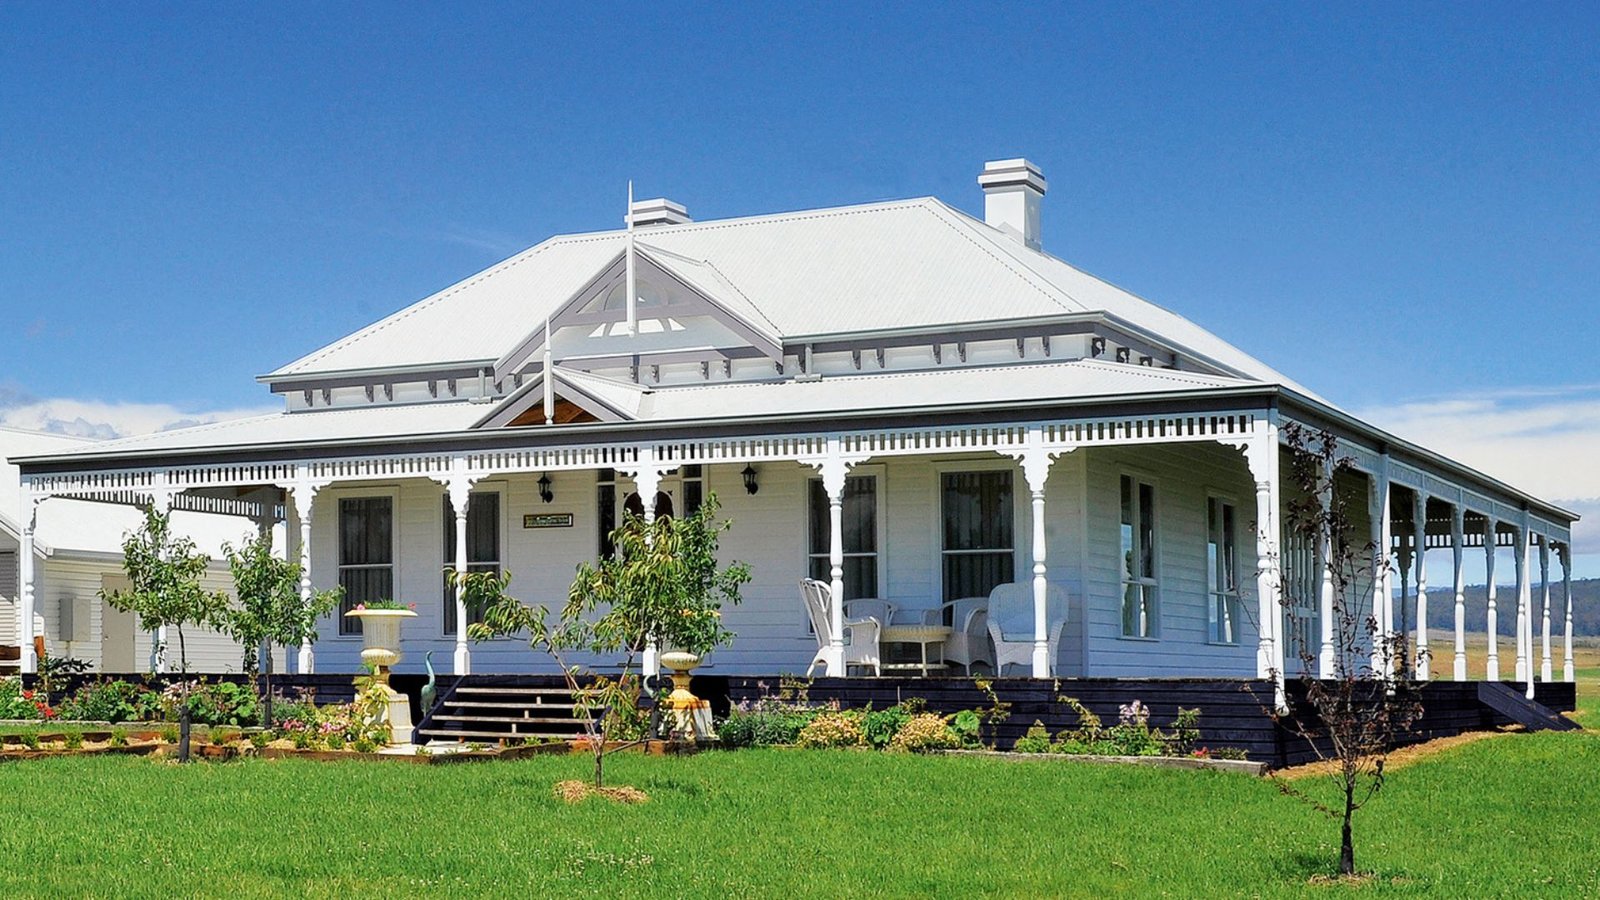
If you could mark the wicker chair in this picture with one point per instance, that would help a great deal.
(860, 635)
(1011, 624)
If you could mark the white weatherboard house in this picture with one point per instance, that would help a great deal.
(76, 553)
(897, 399)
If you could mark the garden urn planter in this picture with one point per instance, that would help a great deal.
(691, 716)
(380, 648)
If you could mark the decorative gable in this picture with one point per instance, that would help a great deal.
(683, 306)
(574, 398)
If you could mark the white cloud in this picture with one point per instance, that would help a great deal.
(1543, 440)
(99, 419)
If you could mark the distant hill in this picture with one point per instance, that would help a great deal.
(1585, 607)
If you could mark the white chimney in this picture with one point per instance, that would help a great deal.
(1012, 190)
(659, 211)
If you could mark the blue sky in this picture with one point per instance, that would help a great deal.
(1397, 206)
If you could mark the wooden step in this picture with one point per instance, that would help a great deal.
(496, 704)
(514, 691)
(491, 735)
(509, 720)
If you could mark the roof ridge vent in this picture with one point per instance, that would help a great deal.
(659, 211)
(1012, 191)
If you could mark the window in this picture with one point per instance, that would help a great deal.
(694, 488)
(1222, 572)
(859, 519)
(978, 550)
(366, 555)
(483, 548)
(1140, 607)
(606, 503)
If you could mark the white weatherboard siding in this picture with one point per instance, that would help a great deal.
(10, 595)
(1181, 476)
(769, 533)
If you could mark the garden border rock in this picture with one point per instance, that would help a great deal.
(1248, 767)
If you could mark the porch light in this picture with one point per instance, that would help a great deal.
(545, 493)
(749, 473)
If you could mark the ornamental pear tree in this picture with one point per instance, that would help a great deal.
(1353, 714)
(663, 584)
(164, 572)
(270, 611)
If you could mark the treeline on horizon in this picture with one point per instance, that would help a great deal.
(1585, 608)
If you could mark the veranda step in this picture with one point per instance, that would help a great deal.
(492, 735)
(508, 720)
(515, 691)
(494, 704)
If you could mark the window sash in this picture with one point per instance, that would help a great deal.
(977, 532)
(1140, 587)
(366, 555)
(1222, 572)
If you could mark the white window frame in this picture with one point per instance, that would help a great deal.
(1140, 476)
(503, 550)
(333, 498)
(879, 472)
(1021, 505)
(1212, 594)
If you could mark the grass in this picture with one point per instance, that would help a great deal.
(789, 823)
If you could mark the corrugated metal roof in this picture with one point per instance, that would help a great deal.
(678, 404)
(900, 264)
(82, 526)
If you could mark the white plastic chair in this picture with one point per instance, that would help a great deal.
(1011, 624)
(860, 635)
(969, 632)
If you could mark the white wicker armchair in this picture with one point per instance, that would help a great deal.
(969, 632)
(1011, 624)
(860, 635)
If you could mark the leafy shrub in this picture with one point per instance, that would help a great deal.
(223, 703)
(74, 740)
(833, 730)
(118, 739)
(924, 731)
(169, 735)
(110, 701)
(260, 739)
(766, 723)
(1131, 736)
(30, 740)
(363, 745)
(967, 726)
(300, 708)
(18, 703)
(1037, 740)
(880, 726)
(335, 741)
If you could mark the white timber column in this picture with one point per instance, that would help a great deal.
(26, 575)
(647, 483)
(1490, 538)
(1378, 513)
(1325, 564)
(1036, 461)
(1261, 454)
(1419, 559)
(1545, 671)
(835, 470)
(303, 498)
(161, 501)
(1520, 561)
(1565, 551)
(459, 490)
(1458, 545)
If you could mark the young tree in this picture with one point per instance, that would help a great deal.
(164, 571)
(663, 583)
(270, 612)
(1353, 715)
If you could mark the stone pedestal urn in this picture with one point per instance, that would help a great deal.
(380, 648)
(691, 716)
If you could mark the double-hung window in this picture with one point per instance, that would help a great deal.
(1140, 590)
(483, 548)
(1222, 571)
(859, 518)
(978, 549)
(366, 555)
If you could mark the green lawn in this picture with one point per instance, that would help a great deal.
(1510, 815)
